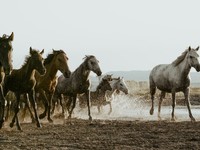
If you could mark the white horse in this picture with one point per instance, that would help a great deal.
(174, 77)
(117, 84)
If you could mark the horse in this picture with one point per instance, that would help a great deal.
(5, 68)
(97, 96)
(78, 83)
(22, 81)
(117, 84)
(46, 84)
(172, 78)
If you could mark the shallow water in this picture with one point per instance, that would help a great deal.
(125, 108)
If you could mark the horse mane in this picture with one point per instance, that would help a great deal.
(28, 57)
(87, 57)
(180, 58)
(4, 37)
(51, 55)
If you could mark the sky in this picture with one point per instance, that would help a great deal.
(124, 35)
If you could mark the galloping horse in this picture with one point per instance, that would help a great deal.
(5, 67)
(174, 78)
(46, 84)
(117, 85)
(78, 83)
(22, 81)
(97, 97)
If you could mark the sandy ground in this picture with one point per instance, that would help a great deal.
(129, 126)
(103, 134)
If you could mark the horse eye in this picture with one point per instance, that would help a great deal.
(191, 57)
(121, 84)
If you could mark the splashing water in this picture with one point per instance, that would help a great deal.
(130, 109)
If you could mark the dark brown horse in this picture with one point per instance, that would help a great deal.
(5, 67)
(46, 84)
(78, 83)
(22, 81)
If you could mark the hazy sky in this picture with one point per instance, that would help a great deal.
(123, 34)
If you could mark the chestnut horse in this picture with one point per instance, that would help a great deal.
(5, 68)
(46, 84)
(22, 81)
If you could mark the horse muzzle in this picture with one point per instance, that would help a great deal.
(197, 68)
(67, 74)
(98, 73)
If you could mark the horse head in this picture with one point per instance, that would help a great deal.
(193, 58)
(61, 62)
(37, 60)
(6, 52)
(93, 64)
(121, 85)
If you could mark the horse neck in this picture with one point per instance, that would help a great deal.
(113, 85)
(51, 70)
(83, 72)
(27, 71)
(184, 67)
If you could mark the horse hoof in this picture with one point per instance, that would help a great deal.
(50, 120)
(33, 121)
(151, 111)
(39, 125)
(173, 120)
(41, 116)
(19, 128)
(11, 124)
(90, 118)
(1, 124)
(193, 120)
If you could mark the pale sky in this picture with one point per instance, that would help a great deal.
(124, 35)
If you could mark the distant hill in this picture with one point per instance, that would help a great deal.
(144, 75)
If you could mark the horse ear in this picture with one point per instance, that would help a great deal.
(11, 37)
(42, 52)
(197, 48)
(31, 50)
(189, 48)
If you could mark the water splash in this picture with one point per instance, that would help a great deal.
(129, 108)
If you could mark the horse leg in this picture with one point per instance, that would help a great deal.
(173, 104)
(54, 100)
(152, 92)
(50, 96)
(45, 102)
(31, 95)
(162, 95)
(61, 103)
(186, 93)
(73, 99)
(16, 112)
(27, 105)
(7, 110)
(2, 105)
(87, 93)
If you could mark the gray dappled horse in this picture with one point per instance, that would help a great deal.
(5, 67)
(174, 77)
(78, 83)
(96, 97)
(22, 81)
